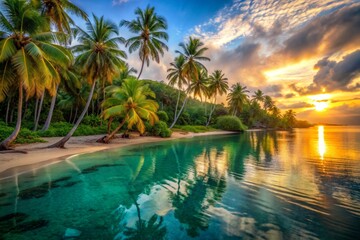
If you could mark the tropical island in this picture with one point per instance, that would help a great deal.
(61, 80)
(130, 119)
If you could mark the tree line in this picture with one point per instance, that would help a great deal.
(48, 63)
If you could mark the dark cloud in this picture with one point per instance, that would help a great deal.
(277, 95)
(276, 88)
(241, 64)
(290, 95)
(345, 100)
(325, 35)
(296, 105)
(333, 75)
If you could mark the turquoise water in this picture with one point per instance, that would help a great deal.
(303, 184)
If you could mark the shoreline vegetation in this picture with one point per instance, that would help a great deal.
(49, 89)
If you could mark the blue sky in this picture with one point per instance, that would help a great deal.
(182, 16)
(300, 52)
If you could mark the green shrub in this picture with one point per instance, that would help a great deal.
(163, 116)
(92, 120)
(25, 135)
(230, 123)
(58, 129)
(159, 129)
(194, 129)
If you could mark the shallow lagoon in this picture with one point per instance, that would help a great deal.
(303, 184)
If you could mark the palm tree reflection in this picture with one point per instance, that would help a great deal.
(151, 229)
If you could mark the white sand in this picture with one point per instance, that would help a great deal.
(12, 163)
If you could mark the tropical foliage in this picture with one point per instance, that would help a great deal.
(95, 92)
(150, 29)
(132, 105)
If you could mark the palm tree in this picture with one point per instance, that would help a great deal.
(57, 12)
(193, 53)
(28, 56)
(289, 118)
(268, 103)
(218, 84)
(130, 102)
(99, 59)
(176, 78)
(149, 28)
(67, 76)
(258, 96)
(237, 98)
(199, 87)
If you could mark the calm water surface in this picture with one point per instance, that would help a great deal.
(303, 184)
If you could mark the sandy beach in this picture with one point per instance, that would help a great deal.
(38, 156)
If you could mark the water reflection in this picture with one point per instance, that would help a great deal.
(267, 185)
(321, 142)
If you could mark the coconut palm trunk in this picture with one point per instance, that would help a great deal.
(61, 143)
(141, 69)
(106, 139)
(211, 113)
(7, 111)
(39, 111)
(4, 145)
(36, 110)
(179, 113)
(177, 104)
(51, 111)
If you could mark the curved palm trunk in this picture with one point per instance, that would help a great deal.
(180, 111)
(4, 145)
(7, 111)
(177, 104)
(142, 67)
(61, 143)
(107, 138)
(76, 113)
(39, 111)
(211, 113)
(51, 111)
(109, 125)
(36, 110)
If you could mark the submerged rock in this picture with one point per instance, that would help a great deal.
(61, 179)
(70, 184)
(31, 225)
(71, 233)
(18, 217)
(96, 167)
(15, 222)
(36, 192)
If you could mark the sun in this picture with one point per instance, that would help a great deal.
(321, 102)
(321, 106)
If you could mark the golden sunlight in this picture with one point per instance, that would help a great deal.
(321, 142)
(303, 70)
(321, 102)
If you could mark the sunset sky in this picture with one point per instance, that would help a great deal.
(305, 53)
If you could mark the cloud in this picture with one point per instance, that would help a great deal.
(240, 64)
(238, 19)
(334, 75)
(267, 41)
(290, 95)
(119, 2)
(325, 35)
(296, 105)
